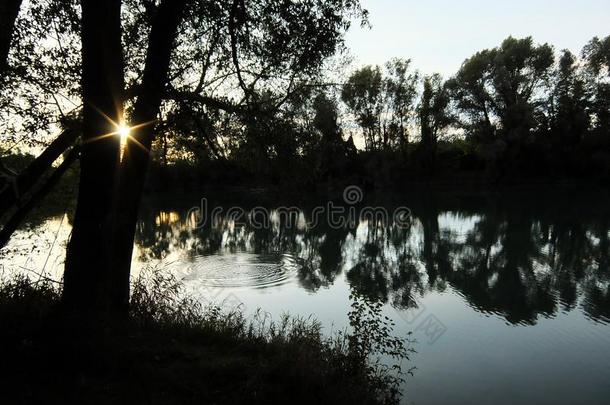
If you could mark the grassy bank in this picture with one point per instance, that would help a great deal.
(172, 351)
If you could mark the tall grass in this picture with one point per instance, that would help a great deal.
(177, 349)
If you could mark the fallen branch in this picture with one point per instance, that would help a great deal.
(15, 220)
(28, 178)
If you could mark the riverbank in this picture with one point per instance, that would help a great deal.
(173, 352)
(456, 166)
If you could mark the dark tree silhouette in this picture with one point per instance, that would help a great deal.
(433, 116)
(363, 94)
(112, 180)
(89, 259)
(8, 13)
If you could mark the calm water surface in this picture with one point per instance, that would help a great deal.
(508, 295)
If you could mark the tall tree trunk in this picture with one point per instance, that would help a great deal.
(9, 9)
(137, 151)
(87, 281)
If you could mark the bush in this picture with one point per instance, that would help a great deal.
(173, 350)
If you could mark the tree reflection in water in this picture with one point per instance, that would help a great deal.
(520, 256)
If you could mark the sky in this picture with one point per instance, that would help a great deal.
(439, 34)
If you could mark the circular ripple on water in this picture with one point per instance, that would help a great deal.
(242, 270)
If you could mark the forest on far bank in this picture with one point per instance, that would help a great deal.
(517, 112)
(520, 111)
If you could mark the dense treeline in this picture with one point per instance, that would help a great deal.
(518, 111)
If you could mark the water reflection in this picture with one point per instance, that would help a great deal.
(241, 270)
(520, 258)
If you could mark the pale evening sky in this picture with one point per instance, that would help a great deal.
(439, 34)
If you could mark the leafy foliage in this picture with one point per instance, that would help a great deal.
(222, 356)
(371, 337)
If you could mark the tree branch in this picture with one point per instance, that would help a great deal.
(234, 54)
(181, 96)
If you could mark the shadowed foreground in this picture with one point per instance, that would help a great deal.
(171, 351)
